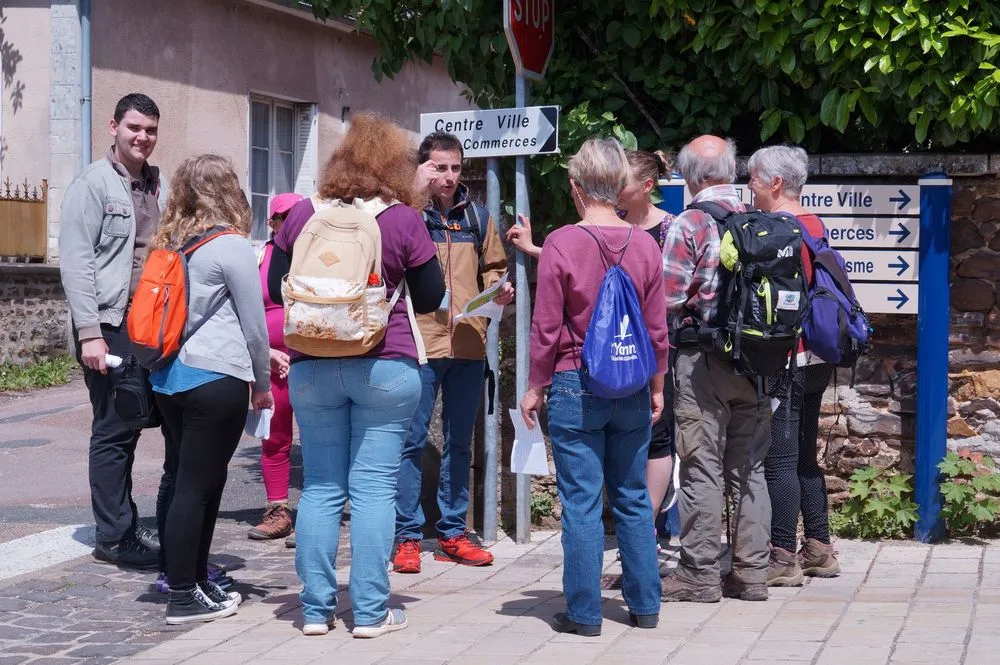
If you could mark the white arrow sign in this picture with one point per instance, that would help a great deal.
(880, 265)
(887, 298)
(531, 130)
(872, 232)
(860, 200)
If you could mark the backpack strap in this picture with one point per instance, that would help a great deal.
(411, 315)
(715, 210)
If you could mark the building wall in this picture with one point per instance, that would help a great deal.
(24, 135)
(200, 60)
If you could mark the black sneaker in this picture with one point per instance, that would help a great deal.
(193, 605)
(219, 595)
(147, 537)
(127, 553)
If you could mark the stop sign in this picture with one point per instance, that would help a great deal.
(530, 26)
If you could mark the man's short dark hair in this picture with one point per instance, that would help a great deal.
(137, 101)
(442, 141)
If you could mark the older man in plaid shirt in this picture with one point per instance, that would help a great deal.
(722, 434)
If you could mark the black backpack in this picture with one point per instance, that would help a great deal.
(763, 292)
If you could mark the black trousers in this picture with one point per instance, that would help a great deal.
(794, 480)
(205, 424)
(112, 449)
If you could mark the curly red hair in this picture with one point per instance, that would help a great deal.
(374, 159)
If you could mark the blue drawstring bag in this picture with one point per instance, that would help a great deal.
(618, 356)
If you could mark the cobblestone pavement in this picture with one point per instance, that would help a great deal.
(896, 603)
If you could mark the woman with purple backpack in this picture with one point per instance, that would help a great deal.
(794, 480)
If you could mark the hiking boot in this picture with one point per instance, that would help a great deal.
(407, 559)
(277, 523)
(192, 605)
(677, 589)
(563, 624)
(783, 568)
(147, 537)
(462, 550)
(736, 588)
(818, 559)
(127, 553)
(394, 620)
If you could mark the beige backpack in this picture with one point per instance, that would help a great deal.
(334, 293)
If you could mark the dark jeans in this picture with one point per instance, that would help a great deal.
(601, 444)
(461, 385)
(112, 449)
(206, 424)
(794, 479)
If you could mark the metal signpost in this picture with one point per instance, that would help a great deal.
(530, 28)
(895, 240)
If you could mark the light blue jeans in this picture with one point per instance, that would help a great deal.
(353, 414)
(600, 444)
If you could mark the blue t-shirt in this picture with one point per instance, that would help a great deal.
(178, 377)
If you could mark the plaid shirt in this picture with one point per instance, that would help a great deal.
(691, 259)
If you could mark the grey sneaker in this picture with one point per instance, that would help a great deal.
(783, 569)
(732, 587)
(394, 620)
(818, 559)
(677, 589)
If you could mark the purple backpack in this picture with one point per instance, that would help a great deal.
(834, 326)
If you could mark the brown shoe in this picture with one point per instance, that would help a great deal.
(732, 587)
(818, 559)
(277, 523)
(677, 589)
(783, 569)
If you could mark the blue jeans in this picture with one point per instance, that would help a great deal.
(353, 414)
(461, 385)
(597, 443)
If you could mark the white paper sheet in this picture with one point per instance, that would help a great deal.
(528, 454)
(483, 305)
(258, 423)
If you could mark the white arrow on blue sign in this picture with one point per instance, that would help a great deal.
(892, 298)
(872, 232)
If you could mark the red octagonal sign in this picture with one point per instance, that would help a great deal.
(530, 26)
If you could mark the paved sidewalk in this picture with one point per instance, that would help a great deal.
(895, 603)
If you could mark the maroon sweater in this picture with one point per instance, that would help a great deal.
(570, 271)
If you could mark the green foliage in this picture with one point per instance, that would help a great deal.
(541, 506)
(970, 494)
(879, 505)
(38, 374)
(833, 75)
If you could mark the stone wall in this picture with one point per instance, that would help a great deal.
(33, 313)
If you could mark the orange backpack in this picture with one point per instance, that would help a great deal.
(158, 315)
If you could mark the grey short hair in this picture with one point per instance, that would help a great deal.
(699, 170)
(790, 163)
(600, 169)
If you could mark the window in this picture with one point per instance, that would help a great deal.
(282, 154)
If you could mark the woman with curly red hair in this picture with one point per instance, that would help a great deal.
(354, 412)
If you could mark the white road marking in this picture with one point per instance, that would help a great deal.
(48, 548)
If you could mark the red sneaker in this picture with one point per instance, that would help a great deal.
(407, 559)
(462, 550)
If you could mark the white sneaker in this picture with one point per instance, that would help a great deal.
(319, 628)
(393, 621)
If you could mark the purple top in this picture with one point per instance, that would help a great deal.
(405, 244)
(571, 270)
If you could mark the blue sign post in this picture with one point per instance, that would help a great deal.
(933, 318)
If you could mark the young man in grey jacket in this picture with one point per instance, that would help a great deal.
(109, 214)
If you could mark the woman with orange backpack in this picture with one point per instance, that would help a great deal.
(204, 388)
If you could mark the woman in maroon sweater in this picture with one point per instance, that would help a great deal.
(597, 443)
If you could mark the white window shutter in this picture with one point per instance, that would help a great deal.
(307, 149)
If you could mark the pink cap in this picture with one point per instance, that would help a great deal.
(282, 203)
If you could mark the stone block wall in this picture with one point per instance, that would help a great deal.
(33, 313)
